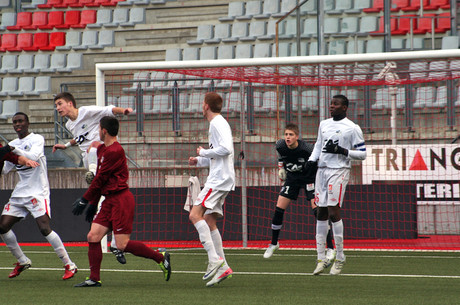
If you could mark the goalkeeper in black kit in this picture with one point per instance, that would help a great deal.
(292, 162)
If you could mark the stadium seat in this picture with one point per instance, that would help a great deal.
(8, 19)
(39, 39)
(262, 50)
(369, 22)
(331, 25)
(67, 3)
(424, 96)
(397, 43)
(87, 17)
(437, 4)
(252, 8)
(173, 54)
(414, 5)
(9, 85)
(195, 101)
(358, 6)
(340, 7)
(50, 4)
(308, 100)
(336, 47)
(441, 97)
(271, 31)
(72, 18)
(22, 19)
(289, 29)
(41, 62)
(450, 42)
(443, 23)
(147, 104)
(270, 7)
(89, 38)
(9, 108)
(397, 5)
(161, 103)
(355, 47)
(232, 102)
(310, 28)
(377, 6)
(256, 30)
(349, 25)
(56, 39)
(136, 15)
(72, 39)
(38, 19)
(221, 31)
(127, 101)
(25, 61)
(105, 39)
(25, 84)
(120, 15)
(425, 24)
(208, 53)
(404, 24)
(374, 46)
(226, 52)
(284, 49)
(55, 18)
(57, 61)
(204, 31)
(239, 29)
(418, 70)
(191, 54)
(235, 9)
(313, 48)
(42, 85)
(104, 16)
(139, 79)
(243, 51)
(9, 62)
(24, 41)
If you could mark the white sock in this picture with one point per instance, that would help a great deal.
(58, 247)
(113, 243)
(217, 241)
(92, 160)
(337, 229)
(206, 240)
(321, 234)
(12, 243)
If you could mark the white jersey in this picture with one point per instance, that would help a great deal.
(219, 157)
(348, 135)
(33, 182)
(85, 128)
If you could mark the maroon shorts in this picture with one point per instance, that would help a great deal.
(117, 212)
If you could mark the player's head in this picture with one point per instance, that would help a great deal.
(291, 135)
(64, 102)
(213, 102)
(110, 125)
(338, 106)
(21, 124)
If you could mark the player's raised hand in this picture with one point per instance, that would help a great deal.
(127, 111)
(79, 206)
(192, 161)
(58, 146)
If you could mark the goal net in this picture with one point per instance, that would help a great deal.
(405, 195)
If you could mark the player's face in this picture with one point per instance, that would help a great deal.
(20, 125)
(63, 107)
(290, 138)
(336, 107)
(205, 108)
(101, 134)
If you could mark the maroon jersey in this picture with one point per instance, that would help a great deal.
(112, 173)
(8, 157)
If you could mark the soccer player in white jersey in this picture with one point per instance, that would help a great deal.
(83, 123)
(208, 207)
(31, 195)
(339, 141)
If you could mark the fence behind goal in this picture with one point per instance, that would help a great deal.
(404, 195)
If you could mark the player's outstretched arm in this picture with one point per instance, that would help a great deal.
(120, 110)
(27, 162)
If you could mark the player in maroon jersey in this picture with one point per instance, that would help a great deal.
(117, 210)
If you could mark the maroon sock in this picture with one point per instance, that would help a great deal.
(95, 259)
(140, 249)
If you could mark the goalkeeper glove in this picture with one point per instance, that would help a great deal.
(281, 171)
(310, 165)
(90, 212)
(334, 148)
(79, 206)
(4, 150)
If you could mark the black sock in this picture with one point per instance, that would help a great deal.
(277, 223)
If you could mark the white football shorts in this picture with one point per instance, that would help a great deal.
(330, 186)
(212, 200)
(21, 207)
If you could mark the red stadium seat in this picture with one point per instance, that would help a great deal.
(111, 2)
(55, 39)
(98, 3)
(50, 4)
(437, 4)
(66, 3)
(86, 17)
(22, 19)
(71, 18)
(443, 23)
(377, 6)
(414, 6)
(424, 24)
(87, 2)
(9, 41)
(38, 19)
(404, 24)
(397, 5)
(25, 40)
(55, 18)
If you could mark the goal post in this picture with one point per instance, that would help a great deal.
(404, 195)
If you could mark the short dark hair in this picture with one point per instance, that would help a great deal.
(67, 96)
(343, 98)
(110, 124)
(22, 113)
(293, 127)
(214, 101)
